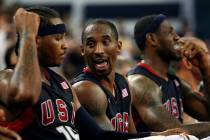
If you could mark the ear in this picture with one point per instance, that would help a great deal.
(187, 64)
(119, 47)
(82, 50)
(152, 39)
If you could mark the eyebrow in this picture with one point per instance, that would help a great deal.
(106, 36)
(89, 39)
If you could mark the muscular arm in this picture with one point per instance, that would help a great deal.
(195, 105)
(147, 101)
(22, 86)
(94, 100)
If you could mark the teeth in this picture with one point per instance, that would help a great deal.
(101, 65)
(176, 47)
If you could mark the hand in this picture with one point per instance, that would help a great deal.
(6, 134)
(175, 131)
(26, 22)
(195, 53)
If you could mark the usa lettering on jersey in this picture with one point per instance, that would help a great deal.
(171, 105)
(120, 122)
(48, 112)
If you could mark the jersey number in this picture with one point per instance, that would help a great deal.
(68, 132)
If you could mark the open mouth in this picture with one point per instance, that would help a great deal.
(101, 65)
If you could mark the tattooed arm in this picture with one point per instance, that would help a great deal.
(22, 86)
(94, 100)
(147, 100)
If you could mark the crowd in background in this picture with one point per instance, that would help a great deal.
(129, 56)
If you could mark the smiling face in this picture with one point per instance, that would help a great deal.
(168, 39)
(52, 48)
(100, 48)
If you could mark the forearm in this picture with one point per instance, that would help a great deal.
(106, 126)
(158, 119)
(199, 130)
(26, 80)
(88, 129)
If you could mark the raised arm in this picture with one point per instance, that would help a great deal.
(147, 101)
(195, 105)
(22, 86)
(94, 100)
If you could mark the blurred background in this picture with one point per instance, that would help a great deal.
(189, 18)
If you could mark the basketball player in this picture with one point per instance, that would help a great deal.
(159, 96)
(39, 103)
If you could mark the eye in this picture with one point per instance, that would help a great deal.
(58, 37)
(106, 42)
(90, 44)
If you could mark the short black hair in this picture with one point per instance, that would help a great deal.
(45, 14)
(140, 27)
(100, 22)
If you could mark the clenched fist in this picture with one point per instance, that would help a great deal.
(26, 22)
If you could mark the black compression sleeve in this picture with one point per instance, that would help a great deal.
(88, 129)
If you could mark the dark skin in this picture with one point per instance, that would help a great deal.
(99, 42)
(148, 102)
(20, 88)
(14, 84)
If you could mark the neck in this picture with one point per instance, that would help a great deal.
(158, 65)
(43, 76)
(109, 82)
(109, 79)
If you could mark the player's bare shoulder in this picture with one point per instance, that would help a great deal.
(90, 94)
(142, 83)
(144, 89)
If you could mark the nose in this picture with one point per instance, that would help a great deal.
(181, 41)
(176, 37)
(64, 44)
(99, 49)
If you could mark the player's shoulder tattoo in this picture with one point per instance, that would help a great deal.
(145, 91)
